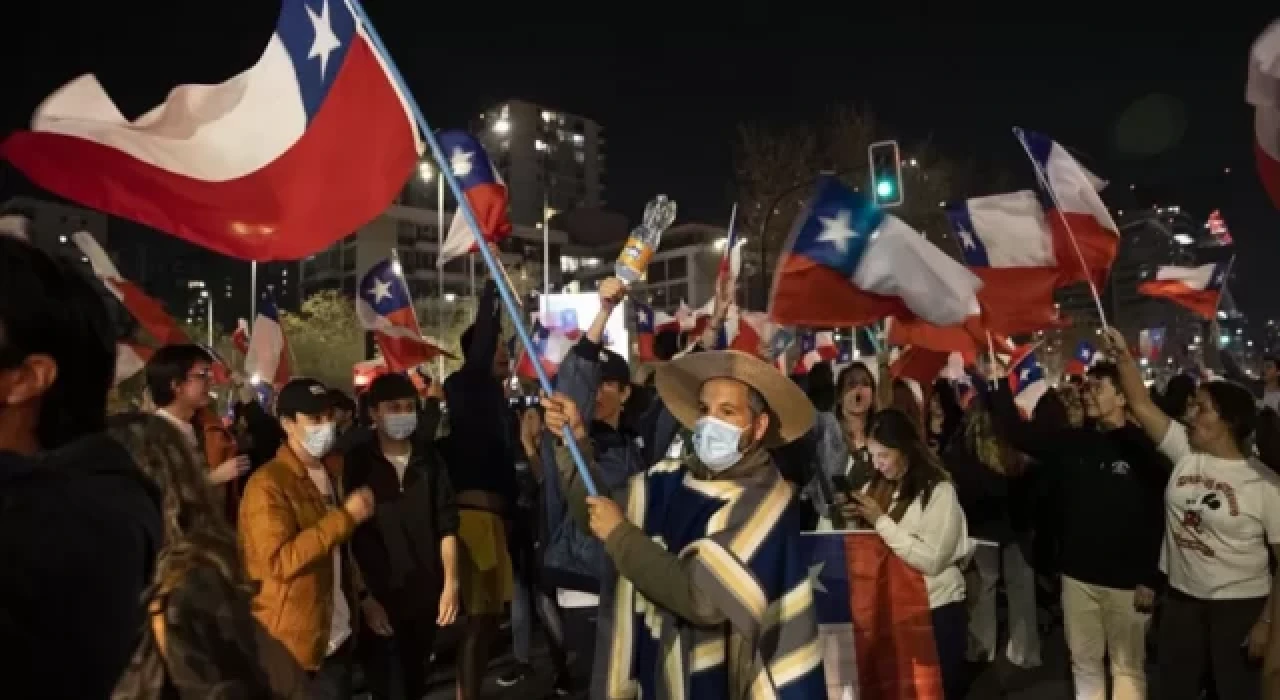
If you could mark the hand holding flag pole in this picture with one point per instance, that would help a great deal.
(495, 268)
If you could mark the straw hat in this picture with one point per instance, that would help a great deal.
(679, 382)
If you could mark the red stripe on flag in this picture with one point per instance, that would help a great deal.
(345, 169)
(1203, 302)
(892, 622)
(807, 293)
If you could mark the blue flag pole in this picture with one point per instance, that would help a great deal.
(495, 271)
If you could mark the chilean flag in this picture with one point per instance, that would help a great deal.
(240, 338)
(1264, 94)
(847, 263)
(815, 347)
(1007, 241)
(267, 361)
(385, 309)
(147, 311)
(1026, 380)
(550, 347)
(279, 162)
(1078, 219)
(131, 358)
(484, 190)
(649, 323)
(1196, 288)
(1081, 360)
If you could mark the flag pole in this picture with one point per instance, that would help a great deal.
(440, 273)
(508, 298)
(1044, 181)
(546, 245)
(1226, 279)
(253, 291)
(209, 309)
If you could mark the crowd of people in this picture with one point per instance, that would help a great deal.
(315, 542)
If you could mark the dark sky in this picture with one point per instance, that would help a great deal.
(1155, 100)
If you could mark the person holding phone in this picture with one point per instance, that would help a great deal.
(911, 504)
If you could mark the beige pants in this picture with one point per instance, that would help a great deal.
(1101, 621)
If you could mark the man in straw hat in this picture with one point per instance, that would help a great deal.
(709, 598)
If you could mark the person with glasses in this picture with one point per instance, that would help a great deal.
(178, 380)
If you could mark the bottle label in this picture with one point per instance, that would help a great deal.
(635, 255)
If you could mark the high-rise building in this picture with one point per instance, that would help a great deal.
(551, 161)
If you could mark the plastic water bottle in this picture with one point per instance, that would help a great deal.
(644, 240)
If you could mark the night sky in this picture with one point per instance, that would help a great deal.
(1156, 100)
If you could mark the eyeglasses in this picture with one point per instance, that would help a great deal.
(202, 375)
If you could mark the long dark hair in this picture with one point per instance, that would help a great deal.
(895, 429)
(842, 385)
(196, 533)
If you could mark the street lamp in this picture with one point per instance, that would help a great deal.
(502, 126)
(425, 171)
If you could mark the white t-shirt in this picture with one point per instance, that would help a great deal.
(1220, 516)
(401, 465)
(340, 623)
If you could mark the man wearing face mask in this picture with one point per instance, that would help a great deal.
(408, 551)
(293, 523)
(709, 595)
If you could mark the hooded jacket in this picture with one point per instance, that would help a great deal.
(79, 531)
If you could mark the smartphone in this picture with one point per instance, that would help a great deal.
(842, 483)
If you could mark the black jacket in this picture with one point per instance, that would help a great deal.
(1111, 490)
(398, 550)
(479, 449)
(79, 531)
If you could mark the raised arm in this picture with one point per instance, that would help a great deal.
(488, 326)
(1153, 420)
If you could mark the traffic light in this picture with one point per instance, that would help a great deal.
(886, 173)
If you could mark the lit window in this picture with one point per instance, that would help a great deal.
(580, 156)
(591, 262)
(548, 116)
(579, 139)
(502, 126)
(540, 145)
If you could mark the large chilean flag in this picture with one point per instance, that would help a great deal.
(303, 148)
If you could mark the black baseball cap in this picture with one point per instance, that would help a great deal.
(613, 368)
(306, 396)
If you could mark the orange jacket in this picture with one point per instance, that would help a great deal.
(287, 536)
(219, 445)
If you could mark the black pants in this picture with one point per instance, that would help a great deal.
(332, 681)
(395, 667)
(580, 641)
(1202, 639)
(950, 630)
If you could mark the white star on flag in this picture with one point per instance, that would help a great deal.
(460, 162)
(381, 290)
(326, 42)
(1026, 373)
(815, 571)
(837, 231)
(966, 238)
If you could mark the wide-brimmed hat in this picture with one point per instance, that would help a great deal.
(679, 382)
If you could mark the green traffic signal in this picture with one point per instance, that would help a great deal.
(884, 189)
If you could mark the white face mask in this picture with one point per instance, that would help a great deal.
(317, 440)
(716, 443)
(399, 426)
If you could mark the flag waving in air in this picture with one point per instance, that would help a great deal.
(1026, 380)
(1080, 361)
(385, 309)
(484, 190)
(301, 149)
(1196, 288)
(848, 263)
(1264, 94)
(267, 361)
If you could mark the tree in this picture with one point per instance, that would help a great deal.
(325, 339)
(776, 166)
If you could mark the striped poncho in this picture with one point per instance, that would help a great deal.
(738, 539)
